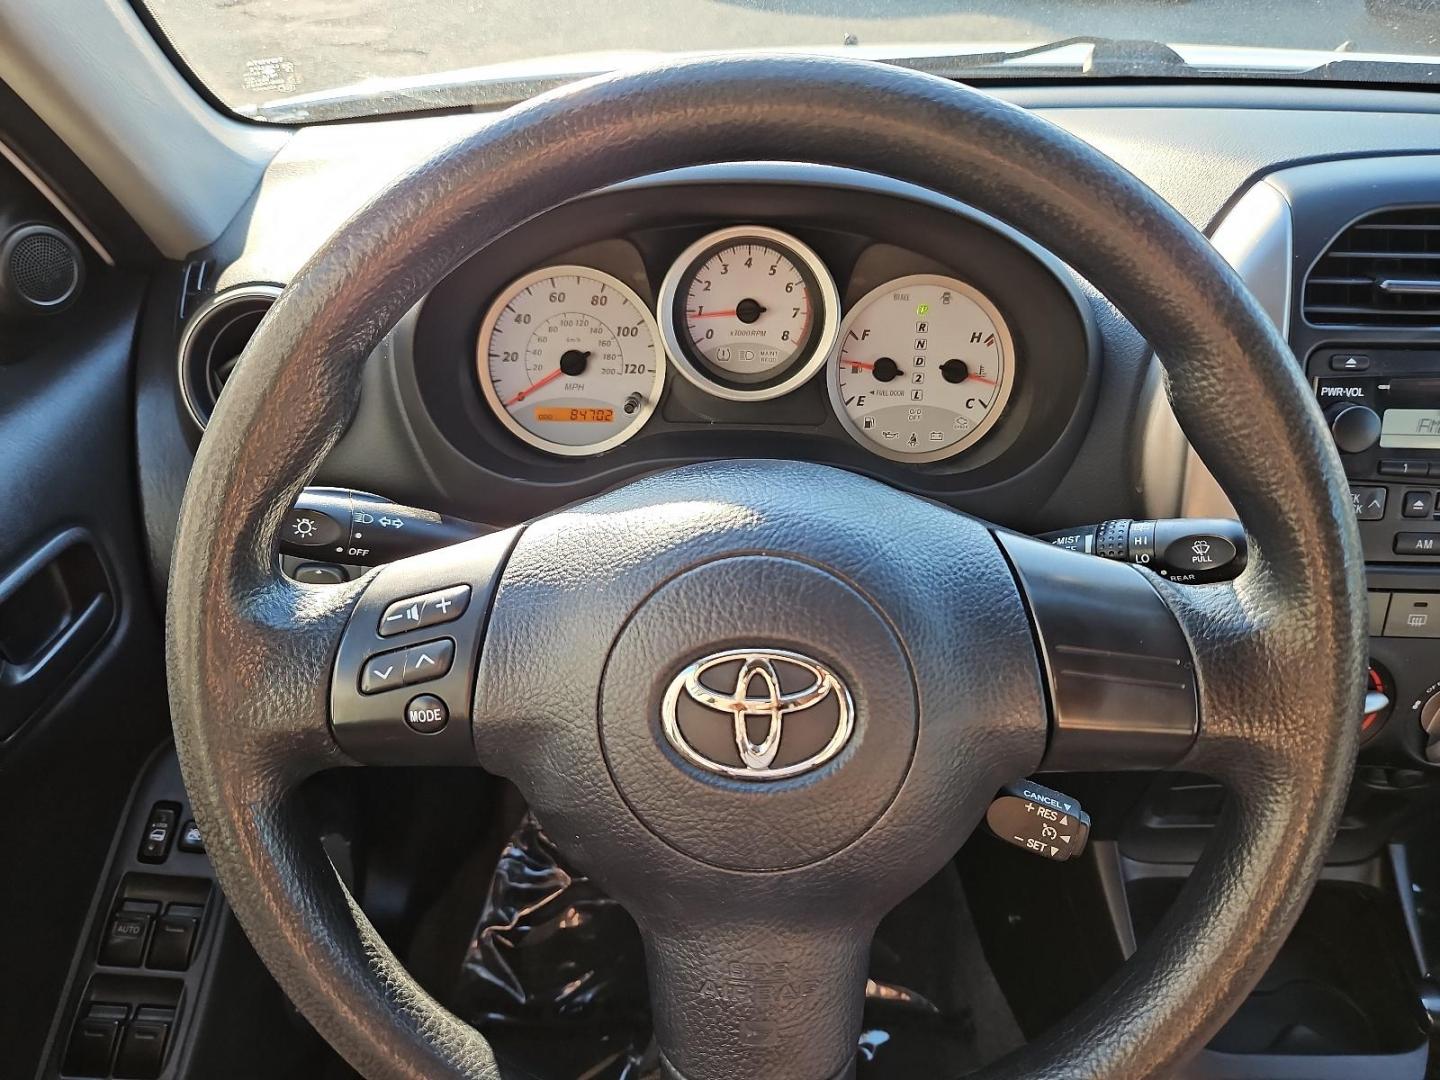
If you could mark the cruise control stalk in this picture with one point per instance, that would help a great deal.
(339, 525)
(1039, 820)
(1192, 551)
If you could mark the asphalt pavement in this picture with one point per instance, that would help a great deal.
(254, 50)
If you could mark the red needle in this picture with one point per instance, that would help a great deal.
(862, 365)
(711, 314)
(523, 394)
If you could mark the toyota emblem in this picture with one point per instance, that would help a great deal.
(757, 714)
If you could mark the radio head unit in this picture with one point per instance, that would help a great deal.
(1383, 408)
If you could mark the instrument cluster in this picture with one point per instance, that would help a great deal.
(573, 362)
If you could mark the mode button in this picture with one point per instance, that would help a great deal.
(426, 714)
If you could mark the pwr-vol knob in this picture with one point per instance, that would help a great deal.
(1355, 428)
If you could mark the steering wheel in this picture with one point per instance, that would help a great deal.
(587, 641)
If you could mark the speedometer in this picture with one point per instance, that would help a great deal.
(924, 369)
(570, 361)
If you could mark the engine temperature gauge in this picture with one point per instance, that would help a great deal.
(924, 369)
(748, 313)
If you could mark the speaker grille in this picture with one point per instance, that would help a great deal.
(40, 269)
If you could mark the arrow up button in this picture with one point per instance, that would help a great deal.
(428, 661)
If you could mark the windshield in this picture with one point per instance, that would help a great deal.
(302, 60)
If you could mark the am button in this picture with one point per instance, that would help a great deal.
(1417, 543)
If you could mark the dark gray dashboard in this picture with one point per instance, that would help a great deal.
(419, 438)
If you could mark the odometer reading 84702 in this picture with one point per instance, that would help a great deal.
(570, 360)
(576, 416)
(924, 368)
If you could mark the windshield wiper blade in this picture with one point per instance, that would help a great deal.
(1084, 54)
(1103, 57)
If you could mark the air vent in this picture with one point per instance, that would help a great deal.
(1384, 270)
(213, 340)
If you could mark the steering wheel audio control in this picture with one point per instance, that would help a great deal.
(426, 714)
(390, 651)
(418, 612)
(1192, 551)
(1040, 820)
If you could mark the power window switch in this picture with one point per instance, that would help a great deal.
(129, 930)
(142, 1051)
(191, 840)
(174, 938)
(93, 1040)
(159, 832)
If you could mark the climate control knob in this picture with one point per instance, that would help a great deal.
(1355, 428)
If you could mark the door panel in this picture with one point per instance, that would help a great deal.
(82, 700)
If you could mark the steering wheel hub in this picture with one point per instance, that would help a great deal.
(783, 737)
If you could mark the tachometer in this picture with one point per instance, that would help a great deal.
(570, 360)
(748, 313)
(924, 369)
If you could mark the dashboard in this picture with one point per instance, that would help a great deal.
(573, 362)
(808, 312)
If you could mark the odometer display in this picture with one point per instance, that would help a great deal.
(575, 416)
(570, 360)
(924, 368)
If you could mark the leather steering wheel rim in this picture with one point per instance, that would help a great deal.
(250, 653)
